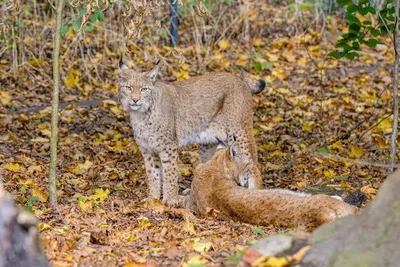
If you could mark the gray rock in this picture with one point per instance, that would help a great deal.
(273, 245)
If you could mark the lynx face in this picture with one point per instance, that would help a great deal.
(235, 163)
(136, 90)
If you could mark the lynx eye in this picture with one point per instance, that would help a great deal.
(144, 89)
(128, 88)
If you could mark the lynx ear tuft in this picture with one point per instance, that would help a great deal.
(152, 75)
(233, 149)
(221, 144)
(121, 65)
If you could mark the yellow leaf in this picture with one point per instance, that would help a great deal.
(190, 227)
(385, 126)
(36, 62)
(40, 140)
(280, 74)
(43, 196)
(355, 152)
(87, 88)
(14, 167)
(380, 142)
(242, 60)
(223, 44)
(337, 145)
(46, 132)
(108, 102)
(283, 90)
(266, 261)
(143, 223)
(185, 172)
(85, 205)
(72, 79)
(100, 194)
(330, 174)
(257, 41)
(368, 189)
(83, 166)
(319, 160)
(182, 75)
(34, 169)
(308, 128)
(44, 226)
(196, 260)
(119, 146)
(5, 97)
(202, 246)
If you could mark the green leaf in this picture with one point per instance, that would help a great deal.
(101, 16)
(258, 66)
(94, 16)
(81, 13)
(352, 55)
(344, 2)
(354, 28)
(367, 22)
(234, 259)
(88, 28)
(336, 54)
(64, 30)
(353, 19)
(265, 65)
(258, 231)
(76, 24)
(373, 42)
(352, 8)
(323, 150)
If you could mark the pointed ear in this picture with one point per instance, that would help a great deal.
(152, 75)
(233, 150)
(121, 66)
(221, 144)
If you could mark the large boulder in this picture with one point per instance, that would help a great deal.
(371, 238)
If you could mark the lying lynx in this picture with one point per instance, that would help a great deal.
(215, 185)
(166, 116)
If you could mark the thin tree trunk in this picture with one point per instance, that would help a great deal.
(395, 91)
(55, 101)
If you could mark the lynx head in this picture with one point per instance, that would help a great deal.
(136, 90)
(235, 163)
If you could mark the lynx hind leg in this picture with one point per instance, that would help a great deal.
(332, 209)
(207, 151)
(154, 178)
(252, 175)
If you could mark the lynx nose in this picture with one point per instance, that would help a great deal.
(135, 100)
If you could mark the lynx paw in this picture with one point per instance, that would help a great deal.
(176, 202)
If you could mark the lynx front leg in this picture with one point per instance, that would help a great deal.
(206, 152)
(169, 158)
(153, 172)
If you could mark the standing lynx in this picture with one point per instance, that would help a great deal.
(166, 116)
(215, 185)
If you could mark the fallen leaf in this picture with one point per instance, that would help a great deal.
(14, 167)
(223, 44)
(355, 152)
(43, 196)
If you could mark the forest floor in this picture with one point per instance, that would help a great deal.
(322, 125)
